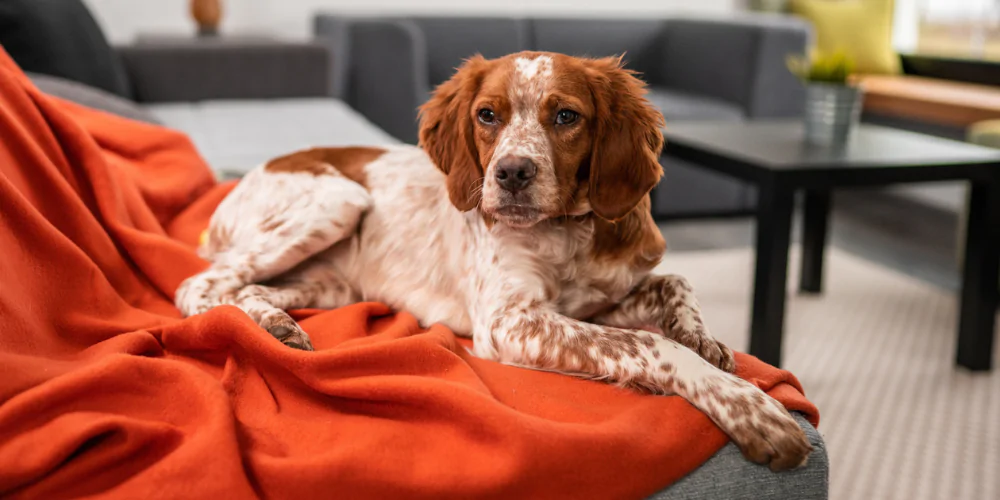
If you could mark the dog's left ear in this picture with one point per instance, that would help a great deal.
(628, 138)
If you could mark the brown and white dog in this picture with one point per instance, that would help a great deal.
(523, 222)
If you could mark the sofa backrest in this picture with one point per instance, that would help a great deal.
(391, 65)
(694, 67)
(61, 38)
(739, 62)
(91, 97)
(638, 40)
(451, 40)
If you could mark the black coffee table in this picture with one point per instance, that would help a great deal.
(773, 156)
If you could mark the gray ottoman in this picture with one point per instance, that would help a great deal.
(236, 135)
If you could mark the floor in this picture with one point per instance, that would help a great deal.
(874, 353)
(912, 238)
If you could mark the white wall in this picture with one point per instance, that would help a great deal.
(906, 21)
(123, 19)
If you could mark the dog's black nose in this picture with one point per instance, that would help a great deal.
(514, 173)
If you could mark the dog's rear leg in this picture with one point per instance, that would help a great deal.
(316, 285)
(269, 224)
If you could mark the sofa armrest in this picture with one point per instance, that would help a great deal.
(227, 69)
(739, 59)
(384, 62)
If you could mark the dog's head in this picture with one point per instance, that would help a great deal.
(536, 135)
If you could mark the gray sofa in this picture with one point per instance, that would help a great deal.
(240, 102)
(243, 102)
(697, 69)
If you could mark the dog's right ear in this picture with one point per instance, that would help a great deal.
(446, 133)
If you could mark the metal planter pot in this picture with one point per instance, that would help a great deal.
(831, 113)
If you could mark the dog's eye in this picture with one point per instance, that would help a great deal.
(566, 117)
(487, 116)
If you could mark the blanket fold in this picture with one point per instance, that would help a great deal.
(106, 391)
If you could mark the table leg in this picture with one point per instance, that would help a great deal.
(980, 273)
(815, 217)
(773, 235)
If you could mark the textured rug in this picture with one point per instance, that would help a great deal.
(874, 352)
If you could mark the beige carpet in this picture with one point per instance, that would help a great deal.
(874, 352)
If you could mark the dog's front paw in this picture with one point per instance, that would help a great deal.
(765, 432)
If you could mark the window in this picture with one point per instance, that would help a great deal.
(963, 29)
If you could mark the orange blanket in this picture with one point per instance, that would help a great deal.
(106, 391)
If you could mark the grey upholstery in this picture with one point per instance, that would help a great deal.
(728, 475)
(449, 41)
(698, 69)
(391, 85)
(241, 101)
(676, 105)
(91, 97)
(242, 69)
(688, 190)
(738, 61)
(639, 41)
(236, 135)
(741, 62)
(60, 38)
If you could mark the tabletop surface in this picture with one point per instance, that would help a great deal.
(779, 145)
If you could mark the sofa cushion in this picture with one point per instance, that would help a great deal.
(638, 40)
(688, 190)
(91, 97)
(236, 135)
(449, 41)
(683, 106)
(61, 38)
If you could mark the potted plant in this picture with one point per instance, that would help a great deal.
(833, 101)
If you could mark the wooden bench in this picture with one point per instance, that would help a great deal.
(938, 102)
